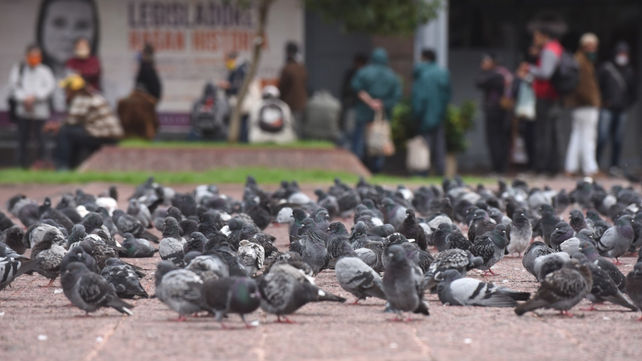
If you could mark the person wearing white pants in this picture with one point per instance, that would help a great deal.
(581, 148)
(585, 102)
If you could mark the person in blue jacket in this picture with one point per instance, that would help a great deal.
(378, 89)
(430, 98)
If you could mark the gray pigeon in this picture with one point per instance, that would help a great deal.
(231, 295)
(140, 211)
(572, 245)
(14, 238)
(455, 259)
(285, 289)
(490, 247)
(50, 251)
(393, 213)
(403, 284)
(209, 267)
(617, 239)
(535, 250)
(314, 252)
(171, 245)
(604, 289)
(180, 289)
(123, 278)
(455, 290)
(89, 291)
(356, 277)
(549, 263)
(521, 233)
(561, 233)
(589, 250)
(11, 268)
(137, 247)
(634, 285)
(561, 290)
(252, 256)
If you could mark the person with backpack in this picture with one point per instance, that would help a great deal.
(547, 105)
(208, 116)
(271, 119)
(584, 103)
(618, 87)
(496, 81)
(31, 84)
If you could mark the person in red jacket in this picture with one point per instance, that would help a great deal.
(85, 64)
(547, 106)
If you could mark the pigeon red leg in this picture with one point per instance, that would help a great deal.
(181, 318)
(285, 320)
(617, 262)
(592, 308)
(355, 302)
(49, 284)
(640, 319)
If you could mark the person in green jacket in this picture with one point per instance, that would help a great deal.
(378, 89)
(430, 98)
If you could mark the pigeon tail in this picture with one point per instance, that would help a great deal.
(121, 306)
(530, 305)
(325, 296)
(517, 296)
(422, 309)
(619, 299)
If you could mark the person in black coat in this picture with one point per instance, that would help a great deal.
(147, 77)
(491, 80)
(617, 82)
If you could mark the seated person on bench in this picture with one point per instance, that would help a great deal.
(89, 123)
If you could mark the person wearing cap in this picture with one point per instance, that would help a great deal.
(89, 123)
(584, 103)
(495, 81)
(31, 84)
(271, 119)
(293, 85)
(618, 87)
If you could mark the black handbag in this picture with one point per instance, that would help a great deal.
(11, 101)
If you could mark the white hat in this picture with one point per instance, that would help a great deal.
(271, 91)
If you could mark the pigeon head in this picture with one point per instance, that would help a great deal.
(410, 214)
(576, 214)
(92, 221)
(480, 214)
(389, 228)
(359, 228)
(337, 228)
(171, 228)
(298, 214)
(397, 238)
(75, 269)
(163, 268)
(14, 200)
(447, 275)
(637, 270)
(589, 250)
(580, 257)
(586, 235)
(396, 253)
(307, 224)
(76, 254)
(593, 215)
(321, 216)
(245, 296)
(546, 209)
(174, 212)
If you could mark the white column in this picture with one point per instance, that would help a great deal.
(434, 35)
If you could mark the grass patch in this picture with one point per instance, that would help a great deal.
(220, 176)
(308, 144)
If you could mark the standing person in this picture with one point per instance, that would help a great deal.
(238, 69)
(348, 96)
(89, 124)
(585, 104)
(547, 106)
(378, 89)
(85, 64)
(293, 86)
(492, 80)
(147, 77)
(31, 84)
(430, 98)
(618, 87)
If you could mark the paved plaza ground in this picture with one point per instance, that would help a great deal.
(37, 324)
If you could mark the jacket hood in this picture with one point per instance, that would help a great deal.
(379, 56)
(209, 90)
(620, 47)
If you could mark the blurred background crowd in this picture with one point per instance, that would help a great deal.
(558, 85)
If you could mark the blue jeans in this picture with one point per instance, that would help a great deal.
(71, 140)
(358, 147)
(611, 125)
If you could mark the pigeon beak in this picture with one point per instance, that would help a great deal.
(390, 254)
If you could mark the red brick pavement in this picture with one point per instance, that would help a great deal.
(36, 324)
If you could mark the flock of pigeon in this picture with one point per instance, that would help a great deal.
(217, 259)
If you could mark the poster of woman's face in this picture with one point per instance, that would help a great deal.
(60, 24)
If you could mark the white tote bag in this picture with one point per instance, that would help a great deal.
(418, 155)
